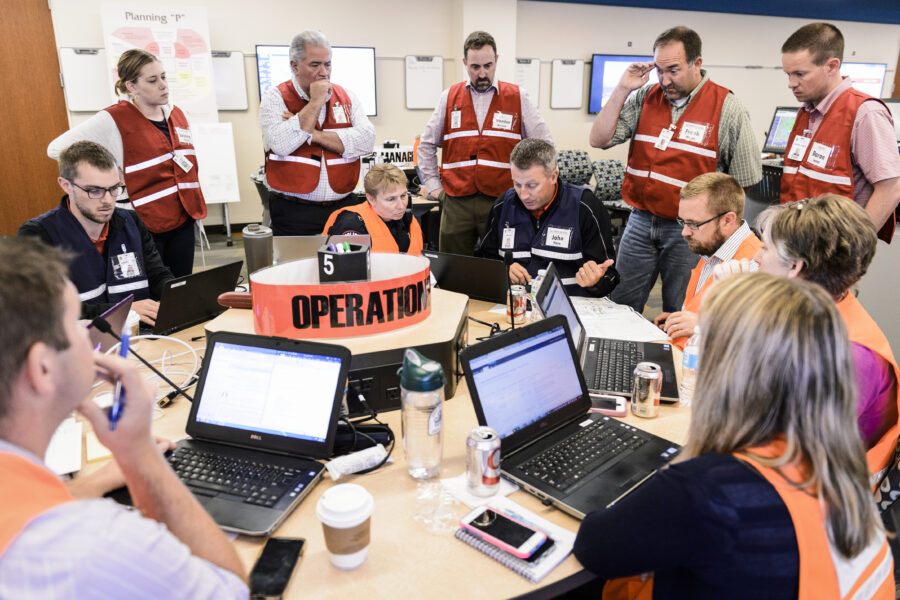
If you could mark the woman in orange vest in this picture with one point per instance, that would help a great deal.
(153, 145)
(769, 498)
(384, 216)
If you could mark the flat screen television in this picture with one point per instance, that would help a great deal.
(606, 71)
(866, 77)
(780, 129)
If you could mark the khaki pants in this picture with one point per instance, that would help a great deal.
(462, 222)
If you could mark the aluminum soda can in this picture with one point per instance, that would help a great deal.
(647, 387)
(516, 303)
(483, 461)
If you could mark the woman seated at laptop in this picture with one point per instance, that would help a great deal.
(769, 498)
(383, 216)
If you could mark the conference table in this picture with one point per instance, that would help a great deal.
(404, 558)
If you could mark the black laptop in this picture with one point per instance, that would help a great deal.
(478, 278)
(193, 299)
(265, 409)
(526, 384)
(608, 364)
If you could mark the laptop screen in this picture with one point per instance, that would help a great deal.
(556, 302)
(522, 383)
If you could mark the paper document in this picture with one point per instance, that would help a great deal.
(64, 451)
(604, 318)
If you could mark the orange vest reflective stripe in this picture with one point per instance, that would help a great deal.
(28, 490)
(298, 173)
(654, 177)
(382, 240)
(748, 249)
(475, 161)
(833, 173)
(863, 330)
(163, 194)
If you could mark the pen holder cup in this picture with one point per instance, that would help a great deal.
(349, 265)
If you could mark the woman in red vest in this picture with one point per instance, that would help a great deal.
(384, 216)
(769, 498)
(153, 145)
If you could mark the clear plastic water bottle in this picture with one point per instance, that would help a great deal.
(422, 402)
(689, 359)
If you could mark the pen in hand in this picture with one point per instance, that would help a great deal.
(119, 396)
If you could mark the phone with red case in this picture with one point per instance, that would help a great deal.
(504, 531)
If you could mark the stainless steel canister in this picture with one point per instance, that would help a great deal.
(258, 247)
(647, 387)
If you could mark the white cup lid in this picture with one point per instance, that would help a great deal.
(345, 505)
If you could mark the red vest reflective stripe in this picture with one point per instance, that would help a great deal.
(28, 490)
(863, 330)
(801, 179)
(654, 177)
(162, 193)
(382, 240)
(475, 161)
(298, 173)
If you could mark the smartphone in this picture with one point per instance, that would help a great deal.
(613, 406)
(273, 568)
(503, 530)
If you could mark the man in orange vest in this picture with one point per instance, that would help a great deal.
(477, 123)
(679, 128)
(314, 133)
(843, 141)
(51, 544)
(711, 213)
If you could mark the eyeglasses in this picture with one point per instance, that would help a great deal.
(96, 193)
(695, 226)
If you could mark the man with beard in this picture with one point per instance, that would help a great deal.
(711, 216)
(477, 123)
(115, 254)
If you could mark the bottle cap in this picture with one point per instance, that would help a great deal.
(419, 374)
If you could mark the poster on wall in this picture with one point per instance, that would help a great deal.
(179, 36)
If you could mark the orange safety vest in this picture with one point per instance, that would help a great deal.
(162, 193)
(748, 249)
(474, 160)
(863, 330)
(825, 165)
(298, 173)
(654, 177)
(382, 240)
(28, 491)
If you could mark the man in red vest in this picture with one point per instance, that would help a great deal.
(843, 141)
(679, 128)
(314, 133)
(53, 545)
(477, 123)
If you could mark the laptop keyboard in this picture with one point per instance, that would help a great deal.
(615, 365)
(570, 460)
(209, 474)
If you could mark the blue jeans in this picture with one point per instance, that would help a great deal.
(650, 246)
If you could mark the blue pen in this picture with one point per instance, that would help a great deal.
(119, 396)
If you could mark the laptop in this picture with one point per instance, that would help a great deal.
(116, 317)
(264, 410)
(526, 384)
(478, 278)
(192, 299)
(608, 364)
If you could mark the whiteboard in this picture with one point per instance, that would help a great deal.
(84, 79)
(424, 81)
(230, 80)
(214, 143)
(528, 77)
(567, 87)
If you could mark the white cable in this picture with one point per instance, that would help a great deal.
(189, 375)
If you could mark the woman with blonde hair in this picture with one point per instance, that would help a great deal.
(769, 497)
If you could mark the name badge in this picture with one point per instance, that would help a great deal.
(662, 142)
(455, 119)
(819, 155)
(340, 116)
(502, 121)
(125, 265)
(798, 148)
(183, 162)
(184, 136)
(693, 132)
(509, 239)
(559, 237)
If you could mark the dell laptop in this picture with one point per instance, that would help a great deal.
(194, 298)
(478, 278)
(116, 316)
(526, 385)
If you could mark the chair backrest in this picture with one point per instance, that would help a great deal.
(575, 167)
(609, 175)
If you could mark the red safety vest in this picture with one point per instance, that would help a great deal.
(28, 491)
(382, 240)
(825, 165)
(298, 173)
(654, 177)
(162, 192)
(474, 160)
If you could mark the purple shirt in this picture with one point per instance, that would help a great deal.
(877, 409)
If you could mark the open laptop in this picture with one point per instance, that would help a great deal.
(265, 408)
(192, 299)
(608, 364)
(478, 278)
(527, 386)
(116, 317)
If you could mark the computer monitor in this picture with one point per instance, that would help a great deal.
(606, 71)
(780, 129)
(352, 67)
(866, 77)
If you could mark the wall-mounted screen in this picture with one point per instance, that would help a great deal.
(606, 71)
(867, 77)
(352, 67)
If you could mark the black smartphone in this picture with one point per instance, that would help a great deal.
(273, 568)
